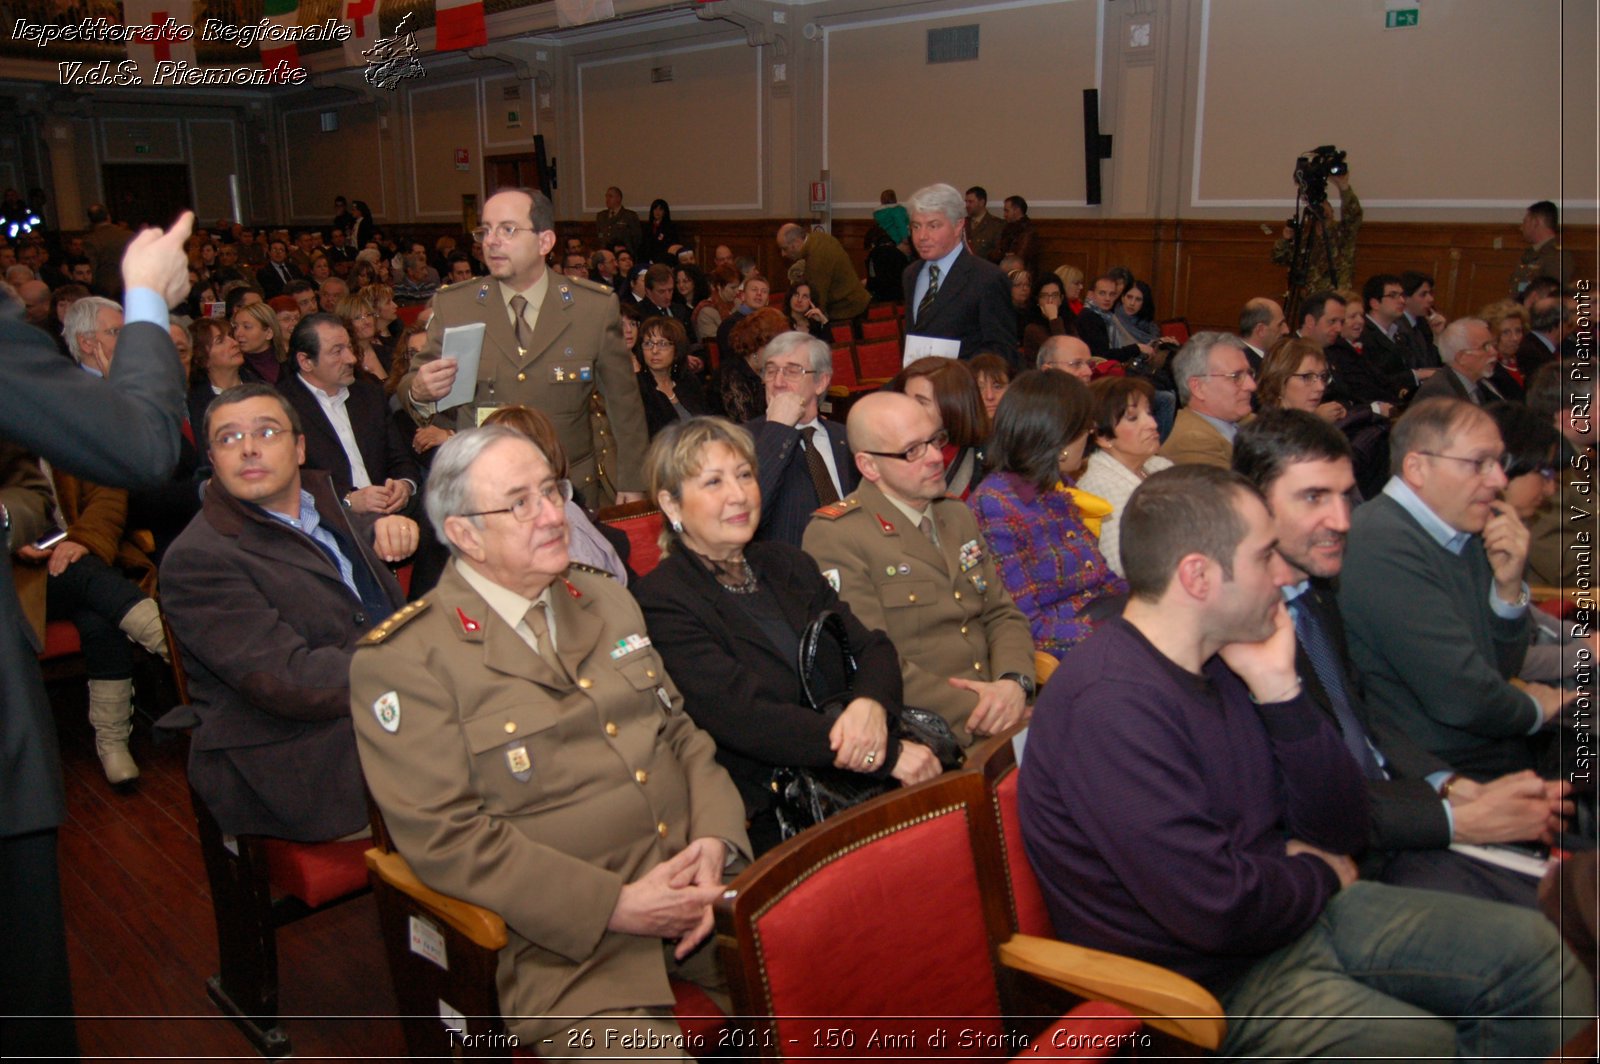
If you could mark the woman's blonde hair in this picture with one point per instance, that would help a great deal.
(676, 453)
(269, 319)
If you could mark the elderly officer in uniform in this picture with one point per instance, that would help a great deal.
(911, 562)
(530, 755)
(549, 343)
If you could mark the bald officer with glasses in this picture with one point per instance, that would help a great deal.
(911, 562)
(550, 342)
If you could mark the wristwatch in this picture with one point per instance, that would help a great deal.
(1024, 682)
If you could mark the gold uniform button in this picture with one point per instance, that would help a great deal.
(611, 729)
(641, 775)
(522, 376)
(963, 629)
(650, 674)
(911, 598)
(585, 683)
(977, 666)
(511, 726)
(958, 596)
(661, 829)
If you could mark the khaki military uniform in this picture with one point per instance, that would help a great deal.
(1546, 260)
(1341, 235)
(945, 607)
(535, 793)
(577, 348)
(983, 236)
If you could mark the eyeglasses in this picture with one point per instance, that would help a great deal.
(1326, 377)
(789, 371)
(527, 507)
(660, 343)
(1233, 378)
(916, 450)
(505, 231)
(229, 441)
(1481, 466)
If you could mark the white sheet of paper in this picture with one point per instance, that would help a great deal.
(923, 346)
(464, 343)
(1513, 860)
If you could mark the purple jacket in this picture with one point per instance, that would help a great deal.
(1051, 563)
(1156, 806)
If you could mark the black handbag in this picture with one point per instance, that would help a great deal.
(807, 796)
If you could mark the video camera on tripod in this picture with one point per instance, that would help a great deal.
(1308, 228)
(1312, 170)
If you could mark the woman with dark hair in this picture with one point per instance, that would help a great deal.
(726, 615)
(214, 367)
(739, 387)
(1136, 313)
(946, 387)
(361, 319)
(993, 374)
(1048, 316)
(708, 314)
(689, 286)
(1049, 560)
(631, 317)
(804, 315)
(661, 241)
(670, 390)
(1126, 440)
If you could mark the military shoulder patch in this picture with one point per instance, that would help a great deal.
(393, 623)
(595, 569)
(593, 286)
(835, 510)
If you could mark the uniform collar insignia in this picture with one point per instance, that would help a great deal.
(467, 623)
(572, 590)
(885, 524)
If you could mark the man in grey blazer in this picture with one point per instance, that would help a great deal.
(123, 431)
(1434, 601)
(951, 294)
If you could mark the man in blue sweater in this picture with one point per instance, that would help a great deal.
(1185, 803)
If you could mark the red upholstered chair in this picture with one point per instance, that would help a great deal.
(885, 329)
(880, 311)
(642, 523)
(1171, 1004)
(1176, 329)
(60, 640)
(259, 884)
(443, 955)
(878, 360)
(713, 353)
(871, 936)
(409, 314)
(841, 333)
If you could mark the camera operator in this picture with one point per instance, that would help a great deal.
(1314, 171)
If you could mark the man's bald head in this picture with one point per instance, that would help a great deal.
(791, 238)
(35, 296)
(1067, 354)
(874, 418)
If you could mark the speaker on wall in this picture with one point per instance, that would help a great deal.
(1096, 145)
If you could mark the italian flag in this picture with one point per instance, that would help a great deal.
(458, 24)
(282, 13)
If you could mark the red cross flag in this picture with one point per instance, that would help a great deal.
(164, 25)
(362, 17)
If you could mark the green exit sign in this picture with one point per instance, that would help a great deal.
(141, 149)
(1400, 19)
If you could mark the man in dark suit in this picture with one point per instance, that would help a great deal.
(123, 431)
(1094, 323)
(802, 460)
(550, 343)
(952, 294)
(348, 431)
(105, 244)
(1385, 302)
(278, 272)
(1419, 323)
(1548, 322)
(1417, 804)
(1468, 353)
(268, 590)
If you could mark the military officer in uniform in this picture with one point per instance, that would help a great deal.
(530, 755)
(911, 562)
(549, 343)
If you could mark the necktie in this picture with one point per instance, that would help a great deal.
(933, 290)
(818, 468)
(524, 332)
(1326, 664)
(535, 620)
(926, 526)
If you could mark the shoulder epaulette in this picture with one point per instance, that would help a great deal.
(593, 286)
(393, 623)
(595, 569)
(835, 510)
